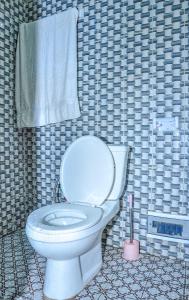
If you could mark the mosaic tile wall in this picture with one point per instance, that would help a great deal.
(133, 67)
(12, 171)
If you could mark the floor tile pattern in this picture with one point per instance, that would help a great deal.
(149, 278)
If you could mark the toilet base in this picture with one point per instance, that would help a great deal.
(46, 298)
(62, 278)
(65, 279)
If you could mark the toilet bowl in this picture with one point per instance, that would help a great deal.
(92, 178)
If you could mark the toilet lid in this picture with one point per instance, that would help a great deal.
(87, 171)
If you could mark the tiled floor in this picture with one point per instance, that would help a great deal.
(150, 278)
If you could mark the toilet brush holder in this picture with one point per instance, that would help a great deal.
(131, 250)
(131, 247)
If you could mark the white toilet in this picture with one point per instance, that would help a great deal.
(92, 178)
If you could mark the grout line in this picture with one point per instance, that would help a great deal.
(152, 140)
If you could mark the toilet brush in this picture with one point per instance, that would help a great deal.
(131, 246)
(130, 200)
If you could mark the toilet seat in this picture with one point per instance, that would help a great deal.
(61, 218)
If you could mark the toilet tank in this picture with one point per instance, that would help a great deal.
(120, 155)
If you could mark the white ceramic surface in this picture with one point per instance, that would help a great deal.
(49, 222)
(69, 234)
(87, 171)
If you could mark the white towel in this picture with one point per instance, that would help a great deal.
(46, 70)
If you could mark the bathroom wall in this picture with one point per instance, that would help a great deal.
(12, 166)
(133, 66)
